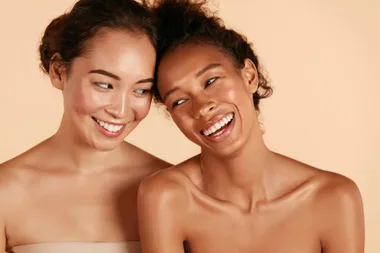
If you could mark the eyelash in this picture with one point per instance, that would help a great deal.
(211, 81)
(144, 91)
(106, 88)
(208, 83)
(138, 91)
(176, 103)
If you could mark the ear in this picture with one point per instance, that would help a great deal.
(250, 76)
(57, 71)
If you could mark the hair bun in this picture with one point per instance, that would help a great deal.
(50, 43)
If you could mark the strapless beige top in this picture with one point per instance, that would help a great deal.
(79, 247)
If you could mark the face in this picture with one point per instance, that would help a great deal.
(107, 90)
(209, 99)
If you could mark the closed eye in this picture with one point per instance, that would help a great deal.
(104, 85)
(210, 81)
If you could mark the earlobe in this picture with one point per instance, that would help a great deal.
(57, 71)
(250, 75)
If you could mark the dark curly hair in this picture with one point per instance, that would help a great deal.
(191, 21)
(70, 34)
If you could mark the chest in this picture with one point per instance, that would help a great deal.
(271, 232)
(99, 210)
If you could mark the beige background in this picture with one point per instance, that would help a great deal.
(322, 58)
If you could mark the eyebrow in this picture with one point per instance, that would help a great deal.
(207, 68)
(169, 92)
(147, 80)
(109, 74)
(197, 75)
(106, 73)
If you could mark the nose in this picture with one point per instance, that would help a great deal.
(202, 106)
(119, 105)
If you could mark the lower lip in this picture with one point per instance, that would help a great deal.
(108, 133)
(222, 135)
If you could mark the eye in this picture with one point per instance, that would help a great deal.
(104, 85)
(210, 81)
(178, 102)
(142, 91)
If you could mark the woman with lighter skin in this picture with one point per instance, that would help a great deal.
(237, 195)
(77, 190)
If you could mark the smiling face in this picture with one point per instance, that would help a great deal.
(209, 99)
(106, 92)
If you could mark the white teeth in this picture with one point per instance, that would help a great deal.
(109, 127)
(218, 125)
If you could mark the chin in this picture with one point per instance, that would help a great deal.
(105, 146)
(226, 150)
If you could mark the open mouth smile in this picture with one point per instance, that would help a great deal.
(218, 127)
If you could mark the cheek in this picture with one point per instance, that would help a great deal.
(141, 107)
(236, 94)
(184, 123)
(86, 101)
(180, 121)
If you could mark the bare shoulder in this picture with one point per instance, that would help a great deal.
(14, 174)
(13, 169)
(337, 211)
(332, 194)
(325, 185)
(163, 206)
(170, 186)
(336, 191)
(26, 160)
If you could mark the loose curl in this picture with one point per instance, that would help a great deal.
(70, 34)
(191, 21)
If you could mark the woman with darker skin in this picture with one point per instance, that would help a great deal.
(237, 195)
(77, 190)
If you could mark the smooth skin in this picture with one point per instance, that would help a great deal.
(237, 195)
(81, 183)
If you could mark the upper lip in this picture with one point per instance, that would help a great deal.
(110, 122)
(213, 120)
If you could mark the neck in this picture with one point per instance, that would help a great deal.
(239, 178)
(75, 154)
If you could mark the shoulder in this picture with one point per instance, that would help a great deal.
(14, 178)
(22, 171)
(23, 165)
(335, 206)
(328, 192)
(336, 191)
(164, 204)
(332, 190)
(169, 188)
(12, 171)
(338, 208)
(326, 186)
(165, 187)
(338, 213)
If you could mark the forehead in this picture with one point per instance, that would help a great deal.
(188, 59)
(120, 52)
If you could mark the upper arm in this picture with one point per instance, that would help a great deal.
(161, 205)
(342, 219)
